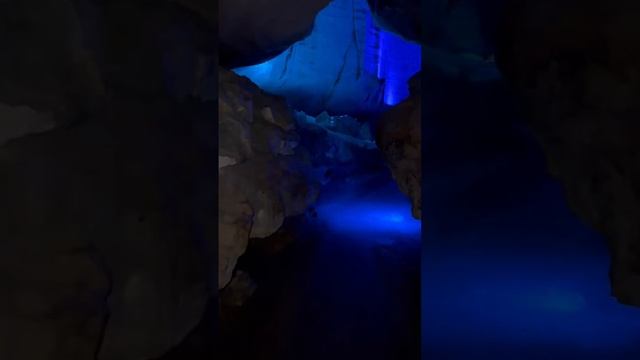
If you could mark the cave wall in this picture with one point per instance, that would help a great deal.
(108, 209)
(572, 65)
(253, 31)
(261, 168)
(326, 70)
(346, 65)
(402, 17)
(458, 43)
(264, 173)
(399, 137)
(575, 67)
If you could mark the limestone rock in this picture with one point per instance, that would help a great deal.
(263, 180)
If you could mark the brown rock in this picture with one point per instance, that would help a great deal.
(399, 139)
(260, 183)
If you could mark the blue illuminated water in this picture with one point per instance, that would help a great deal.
(509, 272)
(347, 65)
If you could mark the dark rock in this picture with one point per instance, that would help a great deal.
(108, 216)
(19, 121)
(462, 26)
(74, 197)
(260, 168)
(239, 290)
(45, 65)
(403, 17)
(253, 31)
(399, 139)
(575, 65)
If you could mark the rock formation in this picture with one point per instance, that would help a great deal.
(261, 168)
(252, 31)
(346, 65)
(576, 65)
(399, 139)
(402, 17)
(106, 164)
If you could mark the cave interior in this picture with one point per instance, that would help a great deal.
(337, 264)
(119, 240)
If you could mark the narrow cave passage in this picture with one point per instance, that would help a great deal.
(341, 279)
(341, 275)
(347, 280)
(508, 271)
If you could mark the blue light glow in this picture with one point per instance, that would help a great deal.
(370, 217)
(528, 281)
(368, 210)
(399, 60)
(347, 65)
(396, 218)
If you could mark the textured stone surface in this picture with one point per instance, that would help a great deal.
(45, 63)
(335, 140)
(239, 290)
(399, 139)
(108, 213)
(263, 180)
(19, 121)
(403, 17)
(252, 31)
(576, 66)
